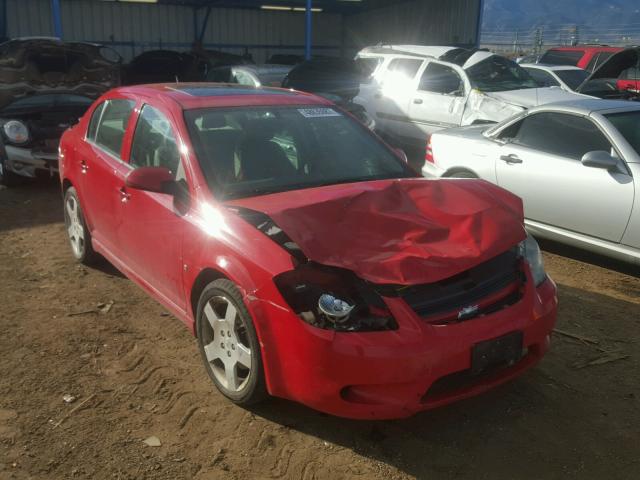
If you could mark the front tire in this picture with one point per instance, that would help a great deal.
(77, 231)
(229, 345)
(7, 178)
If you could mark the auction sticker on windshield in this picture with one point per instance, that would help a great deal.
(318, 112)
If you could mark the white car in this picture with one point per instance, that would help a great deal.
(412, 91)
(567, 77)
(576, 166)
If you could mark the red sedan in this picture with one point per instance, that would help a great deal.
(308, 259)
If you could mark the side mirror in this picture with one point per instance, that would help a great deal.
(599, 159)
(151, 179)
(401, 154)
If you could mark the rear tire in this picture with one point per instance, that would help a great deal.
(77, 231)
(229, 345)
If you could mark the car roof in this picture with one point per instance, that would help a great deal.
(587, 48)
(421, 50)
(587, 106)
(546, 66)
(202, 95)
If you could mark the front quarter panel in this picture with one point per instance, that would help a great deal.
(483, 108)
(631, 236)
(217, 239)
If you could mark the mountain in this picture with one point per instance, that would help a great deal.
(594, 17)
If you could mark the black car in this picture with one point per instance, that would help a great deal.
(45, 86)
(337, 79)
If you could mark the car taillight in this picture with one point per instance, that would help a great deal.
(428, 156)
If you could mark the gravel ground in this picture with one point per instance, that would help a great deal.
(134, 372)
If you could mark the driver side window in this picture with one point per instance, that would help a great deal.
(565, 135)
(441, 79)
(154, 144)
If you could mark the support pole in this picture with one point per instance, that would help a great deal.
(479, 22)
(203, 30)
(307, 32)
(57, 18)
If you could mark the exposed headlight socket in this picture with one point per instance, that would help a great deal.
(335, 309)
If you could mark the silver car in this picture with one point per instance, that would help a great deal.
(576, 165)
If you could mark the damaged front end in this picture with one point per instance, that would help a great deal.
(326, 297)
(45, 86)
(412, 243)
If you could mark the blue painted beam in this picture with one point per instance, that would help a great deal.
(57, 18)
(479, 22)
(307, 32)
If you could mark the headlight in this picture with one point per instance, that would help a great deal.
(16, 132)
(530, 251)
(334, 299)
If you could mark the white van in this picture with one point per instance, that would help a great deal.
(412, 90)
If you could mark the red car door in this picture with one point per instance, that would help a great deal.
(103, 171)
(152, 228)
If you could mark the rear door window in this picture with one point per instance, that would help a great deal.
(562, 57)
(561, 134)
(154, 144)
(404, 67)
(113, 124)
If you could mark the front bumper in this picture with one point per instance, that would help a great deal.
(395, 374)
(28, 162)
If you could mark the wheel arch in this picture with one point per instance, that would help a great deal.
(456, 170)
(66, 184)
(204, 278)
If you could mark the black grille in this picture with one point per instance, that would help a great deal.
(468, 288)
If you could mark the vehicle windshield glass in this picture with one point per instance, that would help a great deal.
(252, 151)
(573, 78)
(46, 101)
(496, 74)
(628, 124)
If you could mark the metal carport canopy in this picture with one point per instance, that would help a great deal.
(344, 7)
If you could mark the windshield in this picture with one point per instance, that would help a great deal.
(628, 124)
(496, 74)
(252, 151)
(48, 101)
(572, 78)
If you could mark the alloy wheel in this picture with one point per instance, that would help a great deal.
(226, 344)
(75, 228)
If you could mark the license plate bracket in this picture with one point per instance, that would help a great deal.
(502, 351)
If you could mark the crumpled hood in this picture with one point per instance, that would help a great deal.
(406, 232)
(33, 66)
(532, 97)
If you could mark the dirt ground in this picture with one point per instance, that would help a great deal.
(136, 373)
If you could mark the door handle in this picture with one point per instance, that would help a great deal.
(417, 101)
(511, 158)
(83, 166)
(124, 195)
